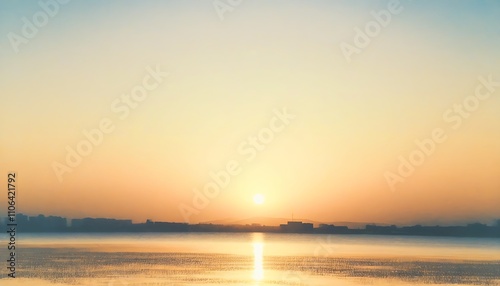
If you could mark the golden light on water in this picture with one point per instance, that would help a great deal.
(258, 257)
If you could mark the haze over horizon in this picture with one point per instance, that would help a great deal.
(217, 95)
(276, 221)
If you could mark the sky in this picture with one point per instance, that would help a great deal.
(368, 111)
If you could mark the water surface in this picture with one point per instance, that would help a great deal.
(253, 259)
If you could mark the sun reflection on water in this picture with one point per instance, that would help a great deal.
(258, 257)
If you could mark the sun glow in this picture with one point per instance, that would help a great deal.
(259, 199)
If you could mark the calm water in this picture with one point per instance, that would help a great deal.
(253, 259)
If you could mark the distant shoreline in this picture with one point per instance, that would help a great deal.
(270, 232)
(53, 224)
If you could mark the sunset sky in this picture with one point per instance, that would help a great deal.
(232, 75)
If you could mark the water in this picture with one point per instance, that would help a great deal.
(252, 259)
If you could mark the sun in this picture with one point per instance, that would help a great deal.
(259, 199)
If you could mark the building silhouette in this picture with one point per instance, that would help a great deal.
(100, 224)
(42, 223)
(296, 227)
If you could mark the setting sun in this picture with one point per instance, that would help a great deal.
(258, 199)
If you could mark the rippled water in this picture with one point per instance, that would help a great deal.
(253, 259)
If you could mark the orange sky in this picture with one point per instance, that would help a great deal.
(265, 95)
